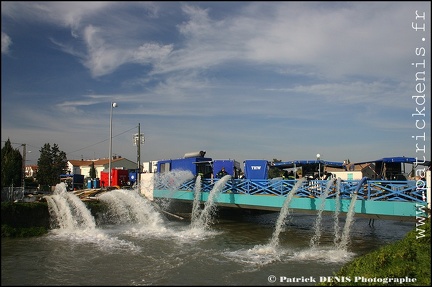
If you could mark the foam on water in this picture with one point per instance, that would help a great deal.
(266, 254)
(67, 211)
(133, 215)
(96, 238)
(336, 213)
(204, 220)
(259, 255)
(194, 234)
(317, 227)
(128, 206)
(343, 244)
(197, 200)
(171, 181)
(73, 222)
(274, 241)
(328, 255)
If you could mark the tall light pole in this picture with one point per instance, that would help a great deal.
(113, 105)
(319, 165)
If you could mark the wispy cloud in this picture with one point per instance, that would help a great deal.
(262, 74)
(5, 43)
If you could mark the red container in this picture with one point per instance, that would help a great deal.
(119, 177)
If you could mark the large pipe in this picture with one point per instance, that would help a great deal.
(362, 181)
(200, 153)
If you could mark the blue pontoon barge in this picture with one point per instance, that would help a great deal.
(387, 197)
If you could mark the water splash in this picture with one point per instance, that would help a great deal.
(327, 255)
(196, 203)
(205, 218)
(274, 242)
(260, 254)
(128, 206)
(317, 227)
(67, 211)
(350, 216)
(343, 244)
(171, 181)
(336, 213)
(338, 253)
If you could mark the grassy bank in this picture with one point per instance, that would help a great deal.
(406, 258)
(26, 219)
(23, 219)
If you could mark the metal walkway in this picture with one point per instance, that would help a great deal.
(386, 199)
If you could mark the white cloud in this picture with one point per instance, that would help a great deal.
(67, 14)
(280, 72)
(6, 42)
(356, 39)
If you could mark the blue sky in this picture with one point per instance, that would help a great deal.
(241, 80)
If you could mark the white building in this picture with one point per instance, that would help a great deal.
(83, 166)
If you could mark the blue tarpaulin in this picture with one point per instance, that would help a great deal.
(298, 163)
(230, 166)
(397, 159)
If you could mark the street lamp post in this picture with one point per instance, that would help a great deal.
(113, 105)
(319, 165)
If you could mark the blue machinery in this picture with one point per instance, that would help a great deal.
(390, 198)
(387, 199)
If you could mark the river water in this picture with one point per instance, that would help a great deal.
(134, 244)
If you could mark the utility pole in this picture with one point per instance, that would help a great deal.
(23, 163)
(139, 159)
(23, 166)
(138, 140)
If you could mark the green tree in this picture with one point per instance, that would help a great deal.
(274, 171)
(51, 164)
(92, 172)
(11, 166)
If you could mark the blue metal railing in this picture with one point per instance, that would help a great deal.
(384, 190)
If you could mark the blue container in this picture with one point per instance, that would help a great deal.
(96, 183)
(132, 177)
(89, 183)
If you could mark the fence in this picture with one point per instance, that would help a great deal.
(11, 193)
(383, 190)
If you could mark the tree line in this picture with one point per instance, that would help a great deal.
(51, 164)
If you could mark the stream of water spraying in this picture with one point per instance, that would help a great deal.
(343, 244)
(266, 254)
(197, 199)
(336, 213)
(127, 206)
(124, 248)
(317, 227)
(225, 258)
(274, 241)
(67, 211)
(350, 216)
(171, 181)
(205, 218)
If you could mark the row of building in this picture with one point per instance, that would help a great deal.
(83, 166)
(126, 171)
